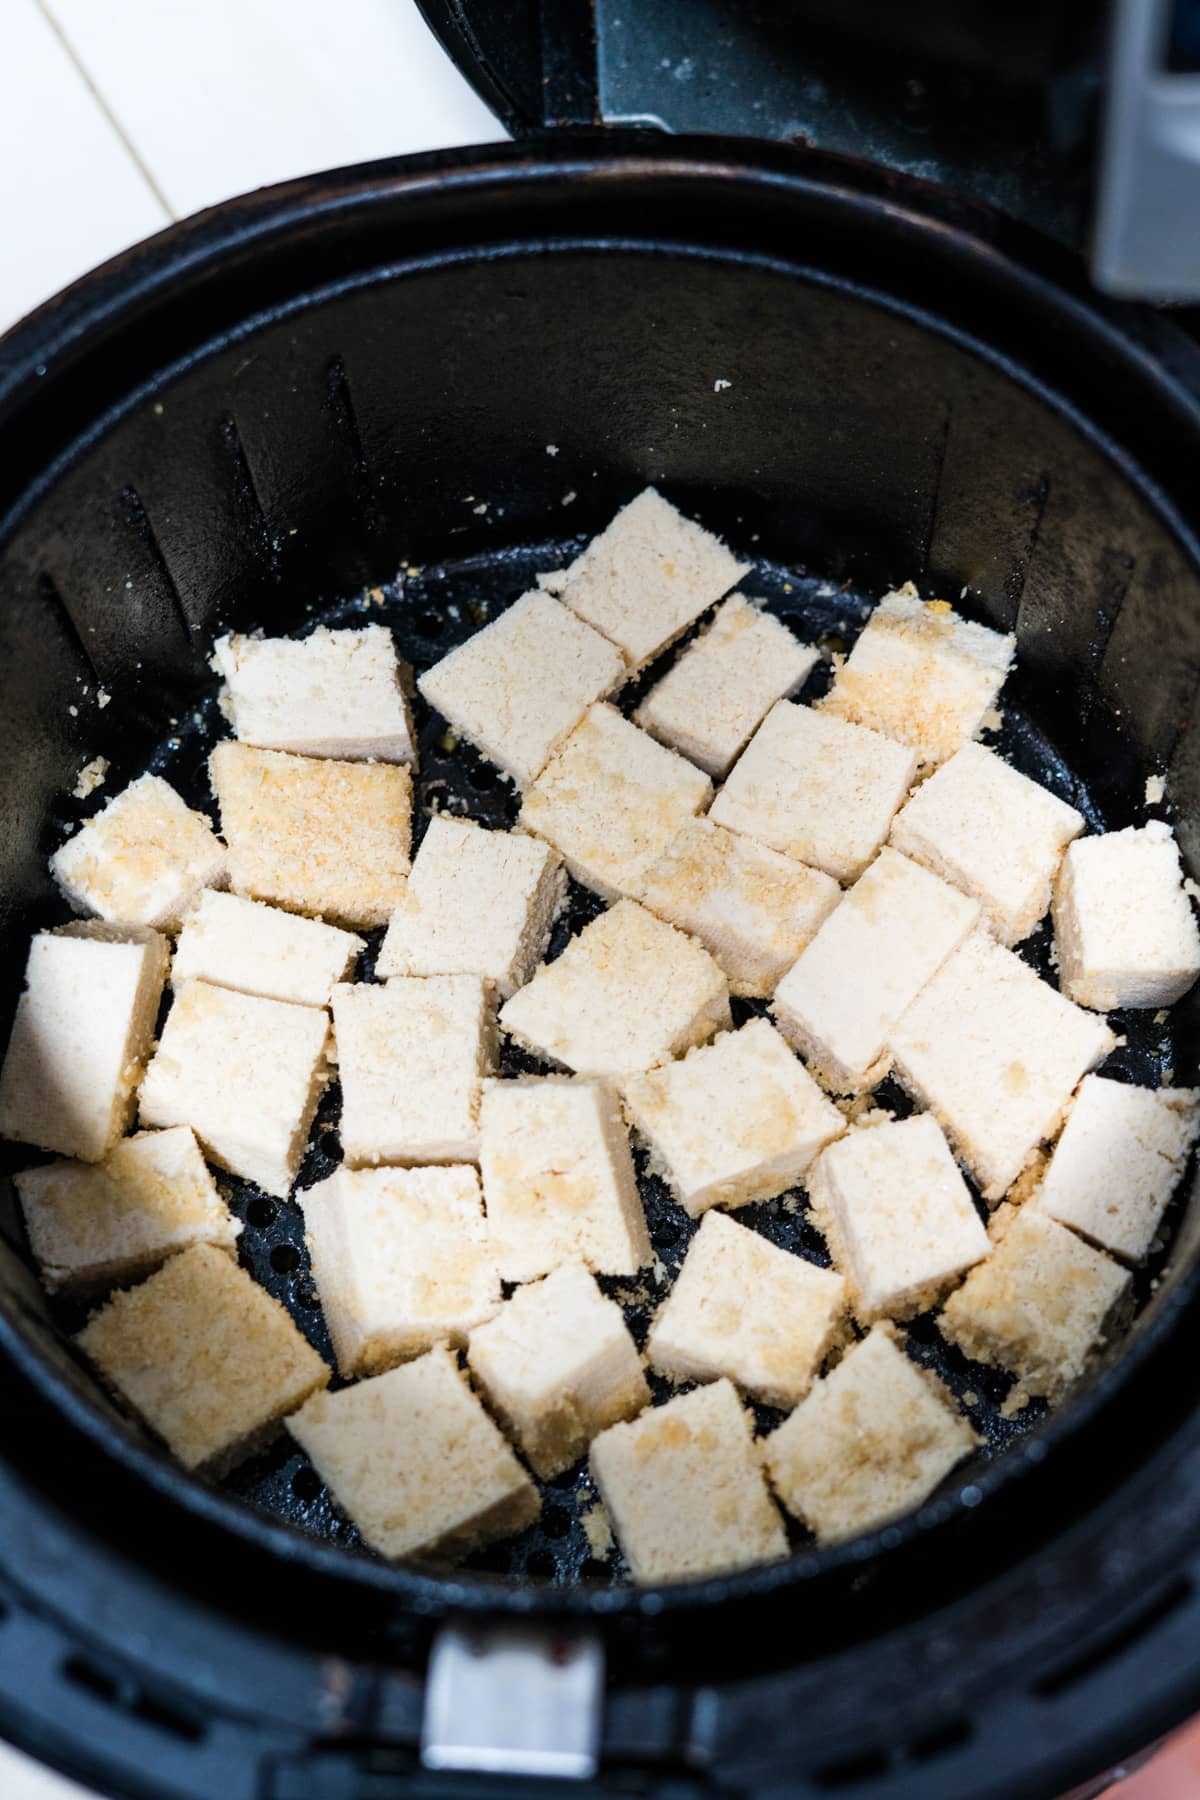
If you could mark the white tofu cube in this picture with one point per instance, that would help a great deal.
(142, 859)
(83, 1029)
(627, 993)
(735, 1121)
(333, 693)
(557, 1365)
(257, 949)
(1124, 926)
(867, 963)
(816, 788)
(744, 1308)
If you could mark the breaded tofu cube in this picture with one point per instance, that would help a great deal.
(921, 674)
(744, 1308)
(869, 960)
(519, 686)
(1124, 927)
(238, 943)
(416, 1462)
(206, 1357)
(402, 1262)
(558, 1178)
(991, 831)
(314, 835)
(142, 859)
(752, 909)
(246, 1074)
(610, 800)
(332, 693)
(1121, 1155)
(735, 1121)
(709, 705)
(897, 1215)
(872, 1440)
(478, 903)
(557, 1365)
(412, 1056)
(83, 1029)
(627, 993)
(648, 576)
(684, 1487)
(813, 787)
(1038, 1305)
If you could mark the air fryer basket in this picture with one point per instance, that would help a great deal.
(431, 380)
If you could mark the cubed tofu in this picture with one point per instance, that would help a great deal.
(402, 1261)
(416, 1462)
(627, 993)
(257, 949)
(752, 909)
(744, 1308)
(1121, 1155)
(610, 800)
(206, 1357)
(83, 1029)
(557, 1365)
(872, 1440)
(246, 1074)
(991, 831)
(519, 686)
(867, 963)
(314, 835)
(142, 859)
(97, 1225)
(735, 1121)
(814, 787)
(558, 1179)
(921, 674)
(412, 1056)
(478, 903)
(333, 693)
(995, 1053)
(1038, 1306)
(897, 1215)
(1124, 926)
(648, 576)
(684, 1488)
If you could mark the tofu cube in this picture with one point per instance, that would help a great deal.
(1122, 1153)
(558, 1179)
(897, 1215)
(867, 963)
(752, 909)
(610, 800)
(83, 1029)
(995, 1053)
(1038, 1306)
(142, 859)
(992, 832)
(99, 1225)
(206, 1357)
(872, 1440)
(519, 686)
(1124, 926)
(557, 1365)
(922, 675)
(814, 787)
(744, 1308)
(402, 1262)
(246, 1074)
(412, 1055)
(257, 949)
(313, 835)
(627, 993)
(684, 1487)
(735, 1121)
(648, 576)
(416, 1462)
(333, 693)
(478, 903)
